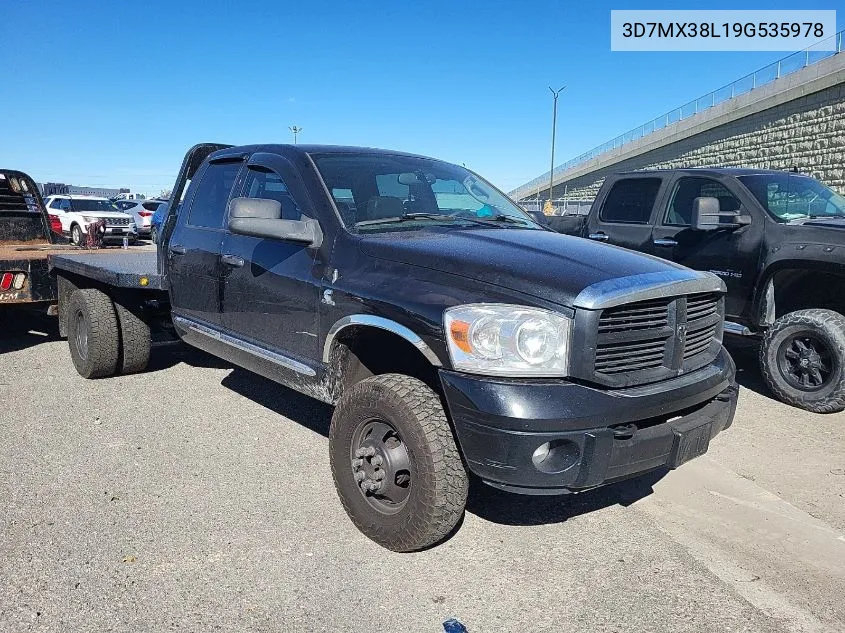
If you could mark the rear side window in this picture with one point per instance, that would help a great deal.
(209, 206)
(151, 206)
(631, 201)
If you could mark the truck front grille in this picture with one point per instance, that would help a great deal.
(118, 221)
(652, 340)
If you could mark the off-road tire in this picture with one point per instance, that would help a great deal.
(96, 310)
(135, 341)
(77, 235)
(827, 326)
(439, 484)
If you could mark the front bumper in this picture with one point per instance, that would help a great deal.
(119, 232)
(595, 435)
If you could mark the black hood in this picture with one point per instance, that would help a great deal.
(544, 264)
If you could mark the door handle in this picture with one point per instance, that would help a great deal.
(232, 260)
(601, 237)
(665, 242)
(178, 250)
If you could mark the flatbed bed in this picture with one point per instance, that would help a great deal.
(118, 268)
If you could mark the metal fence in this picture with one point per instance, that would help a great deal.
(561, 206)
(767, 74)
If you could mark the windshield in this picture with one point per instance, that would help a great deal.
(789, 197)
(377, 192)
(82, 204)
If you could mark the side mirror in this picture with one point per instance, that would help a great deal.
(258, 217)
(707, 216)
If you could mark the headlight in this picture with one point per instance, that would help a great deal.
(89, 218)
(507, 340)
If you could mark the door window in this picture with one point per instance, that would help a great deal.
(630, 201)
(266, 184)
(679, 211)
(209, 205)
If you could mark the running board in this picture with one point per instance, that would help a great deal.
(250, 348)
(737, 329)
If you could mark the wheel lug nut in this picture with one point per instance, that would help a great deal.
(379, 475)
(377, 460)
(360, 475)
(357, 463)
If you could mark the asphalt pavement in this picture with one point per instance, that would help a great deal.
(198, 497)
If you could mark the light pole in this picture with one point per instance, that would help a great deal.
(555, 93)
(296, 130)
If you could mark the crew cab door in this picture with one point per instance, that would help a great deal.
(193, 250)
(270, 286)
(623, 215)
(732, 254)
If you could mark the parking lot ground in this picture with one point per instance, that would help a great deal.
(198, 497)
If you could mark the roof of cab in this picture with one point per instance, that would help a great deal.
(303, 149)
(710, 171)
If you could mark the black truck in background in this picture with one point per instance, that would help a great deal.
(452, 333)
(777, 240)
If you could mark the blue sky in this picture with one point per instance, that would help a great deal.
(114, 97)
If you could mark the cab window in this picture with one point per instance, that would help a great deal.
(267, 184)
(631, 201)
(208, 208)
(679, 211)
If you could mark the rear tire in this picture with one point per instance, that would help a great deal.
(135, 341)
(422, 490)
(93, 334)
(802, 359)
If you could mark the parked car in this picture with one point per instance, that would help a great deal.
(451, 332)
(142, 211)
(157, 220)
(76, 212)
(777, 239)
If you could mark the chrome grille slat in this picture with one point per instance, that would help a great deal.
(659, 333)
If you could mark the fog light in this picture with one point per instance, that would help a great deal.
(556, 456)
(541, 453)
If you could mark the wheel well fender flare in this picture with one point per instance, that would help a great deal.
(382, 323)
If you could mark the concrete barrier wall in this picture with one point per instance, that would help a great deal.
(797, 121)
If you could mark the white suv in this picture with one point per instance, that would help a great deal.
(77, 212)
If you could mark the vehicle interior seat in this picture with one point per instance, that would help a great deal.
(379, 207)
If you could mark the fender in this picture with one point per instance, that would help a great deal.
(381, 323)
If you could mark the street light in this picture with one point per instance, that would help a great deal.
(555, 93)
(296, 130)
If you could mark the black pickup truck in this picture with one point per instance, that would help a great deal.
(777, 239)
(452, 333)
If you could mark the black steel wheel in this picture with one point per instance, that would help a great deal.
(802, 359)
(395, 464)
(806, 361)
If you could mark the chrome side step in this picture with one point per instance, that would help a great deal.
(250, 348)
(737, 329)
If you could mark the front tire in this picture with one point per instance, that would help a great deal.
(154, 235)
(93, 334)
(76, 235)
(802, 359)
(395, 464)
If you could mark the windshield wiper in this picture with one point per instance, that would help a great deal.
(409, 217)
